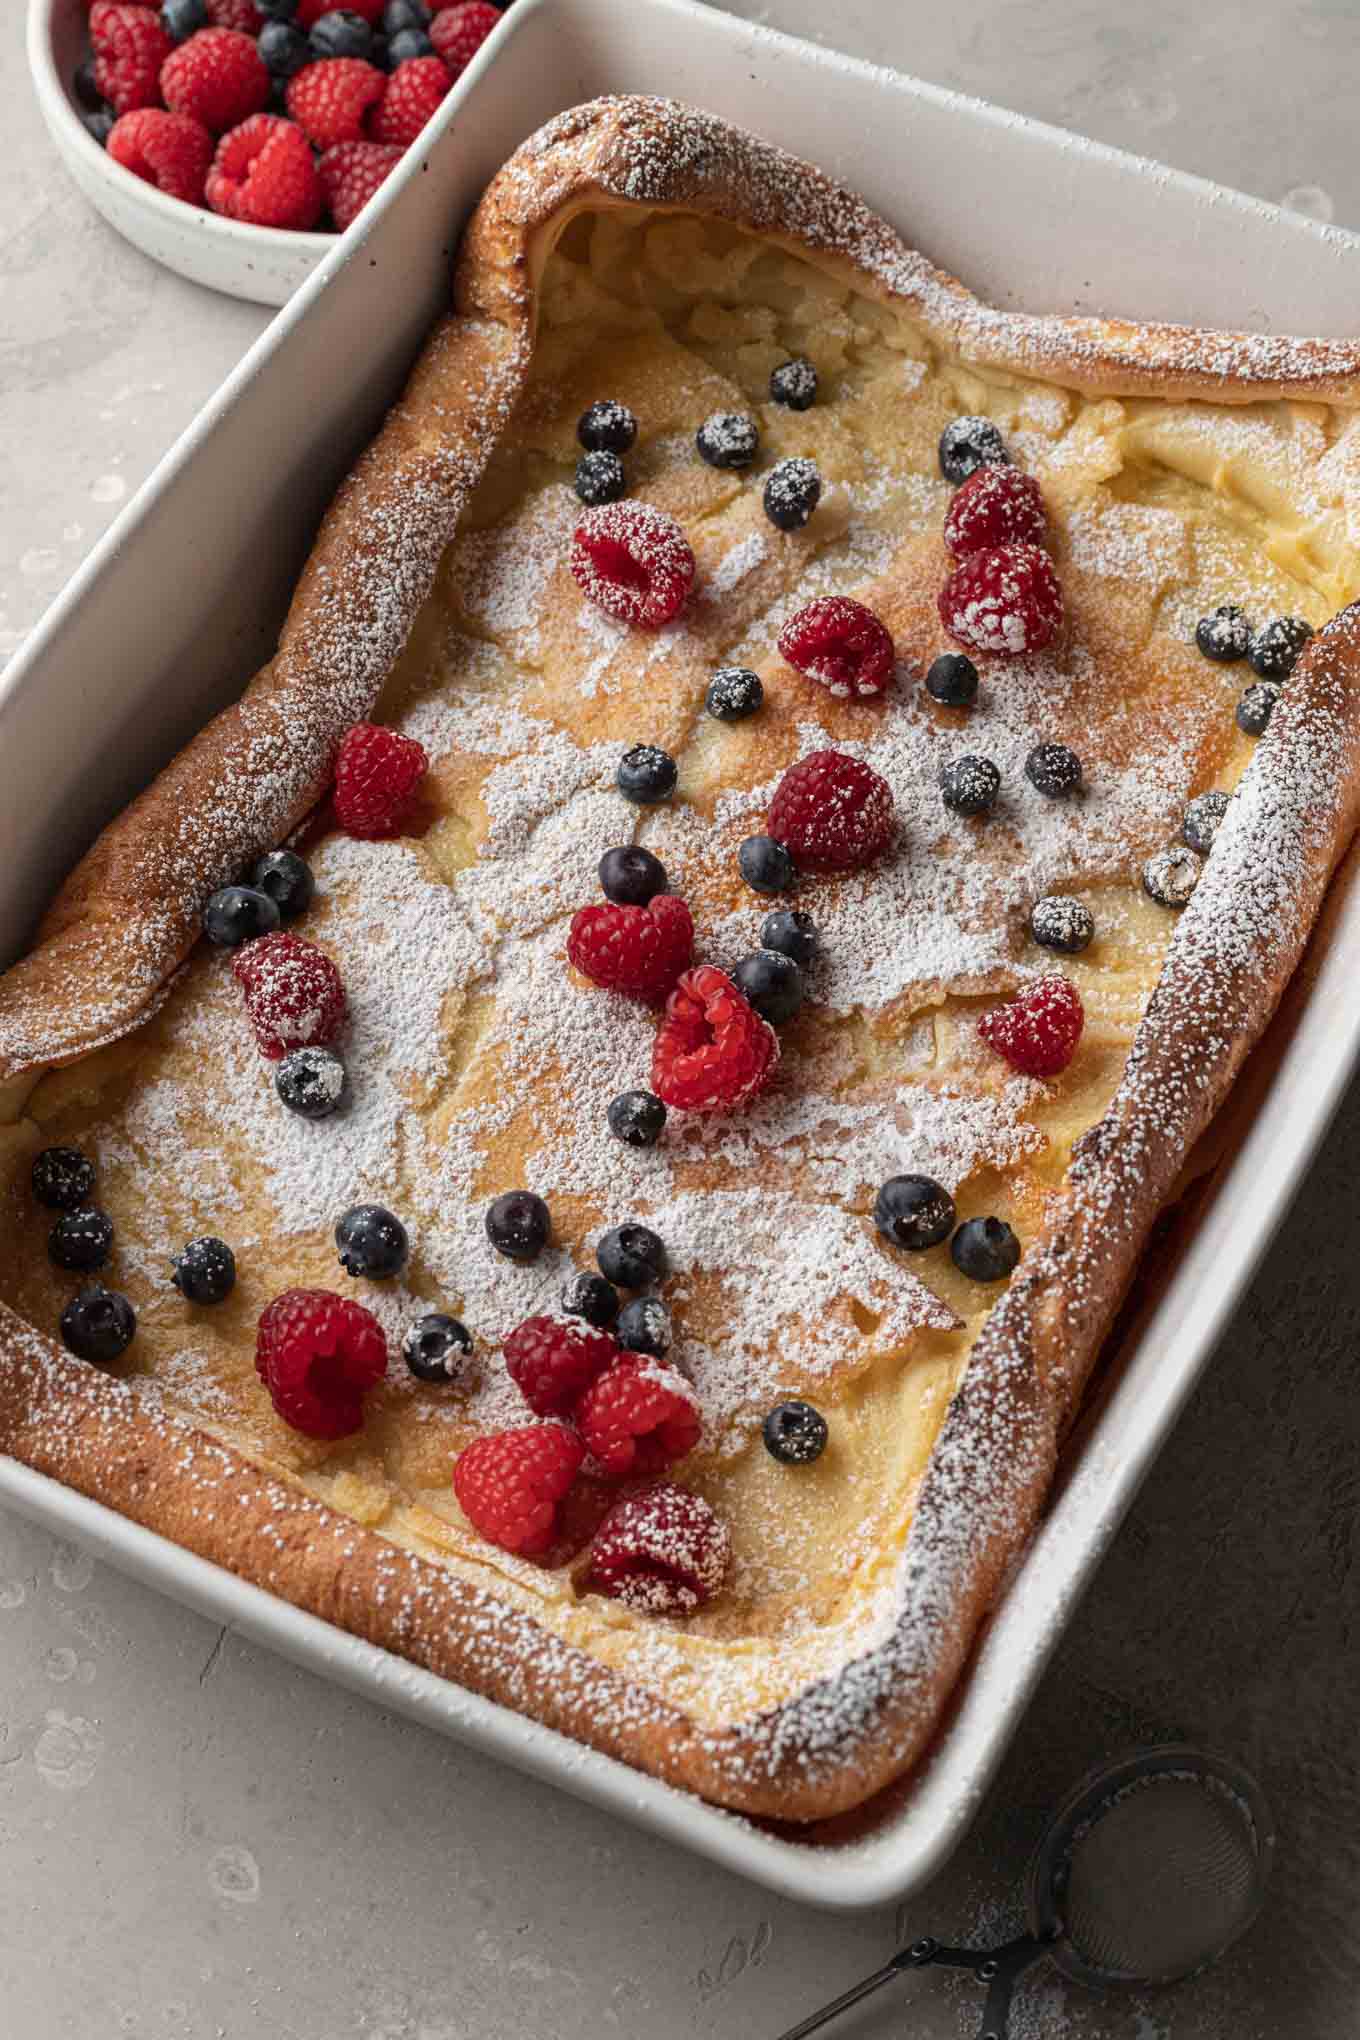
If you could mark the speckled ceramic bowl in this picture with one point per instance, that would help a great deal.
(264, 264)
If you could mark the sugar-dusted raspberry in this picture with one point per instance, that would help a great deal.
(351, 172)
(663, 1552)
(995, 506)
(309, 12)
(509, 1484)
(459, 31)
(130, 45)
(553, 1360)
(640, 951)
(318, 1354)
(263, 173)
(1005, 600)
(377, 774)
(832, 812)
(242, 15)
(639, 1417)
(170, 150)
(414, 94)
(712, 1050)
(1037, 1031)
(218, 77)
(634, 562)
(293, 994)
(329, 101)
(839, 642)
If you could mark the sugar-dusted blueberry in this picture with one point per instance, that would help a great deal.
(1058, 921)
(98, 125)
(311, 1082)
(1202, 817)
(1224, 634)
(631, 1256)
(204, 1271)
(1054, 770)
(607, 427)
(793, 489)
(637, 1118)
(969, 443)
(341, 33)
(435, 1347)
(953, 680)
(630, 875)
(1256, 707)
(98, 1325)
(406, 44)
(734, 692)
(765, 865)
(984, 1249)
(773, 984)
(81, 1239)
(287, 878)
(371, 1241)
(792, 933)
(400, 14)
(1275, 648)
(646, 774)
(795, 1433)
(600, 478)
(518, 1225)
(589, 1296)
(239, 913)
(644, 1326)
(970, 785)
(284, 49)
(728, 439)
(62, 1178)
(794, 384)
(182, 18)
(1172, 875)
(914, 1212)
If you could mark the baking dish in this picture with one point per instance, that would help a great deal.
(242, 522)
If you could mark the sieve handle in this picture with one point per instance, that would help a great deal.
(1001, 1971)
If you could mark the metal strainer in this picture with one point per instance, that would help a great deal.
(1147, 1872)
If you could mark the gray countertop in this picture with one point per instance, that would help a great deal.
(197, 1840)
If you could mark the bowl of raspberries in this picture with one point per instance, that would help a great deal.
(232, 139)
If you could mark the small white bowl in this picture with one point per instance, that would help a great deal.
(264, 264)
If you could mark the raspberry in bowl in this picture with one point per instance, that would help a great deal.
(175, 120)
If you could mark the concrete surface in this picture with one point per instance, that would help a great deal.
(197, 1840)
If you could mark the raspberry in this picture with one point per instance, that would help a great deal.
(309, 12)
(509, 1483)
(377, 771)
(317, 1354)
(242, 15)
(832, 812)
(634, 562)
(638, 1417)
(218, 77)
(130, 45)
(712, 1050)
(413, 94)
(995, 506)
(1005, 600)
(458, 32)
(1038, 1031)
(168, 150)
(263, 173)
(329, 100)
(350, 174)
(293, 994)
(663, 1552)
(637, 950)
(841, 643)
(552, 1361)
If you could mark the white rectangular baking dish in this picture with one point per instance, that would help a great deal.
(182, 600)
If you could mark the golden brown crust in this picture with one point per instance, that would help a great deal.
(128, 915)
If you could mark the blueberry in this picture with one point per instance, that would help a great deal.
(86, 91)
(205, 1272)
(953, 679)
(1202, 818)
(98, 125)
(182, 18)
(793, 490)
(1224, 634)
(237, 914)
(371, 1242)
(1171, 876)
(968, 444)
(637, 1118)
(765, 865)
(644, 1326)
(288, 881)
(400, 14)
(1275, 648)
(970, 785)
(733, 693)
(518, 1225)
(792, 933)
(1060, 922)
(794, 384)
(631, 1256)
(284, 49)
(434, 1347)
(646, 775)
(795, 1434)
(277, 10)
(600, 478)
(1255, 707)
(98, 1325)
(62, 1178)
(728, 439)
(590, 1297)
(341, 34)
(401, 48)
(607, 427)
(380, 54)
(1054, 770)
(630, 875)
(914, 1211)
(311, 1082)
(81, 1239)
(984, 1249)
(773, 984)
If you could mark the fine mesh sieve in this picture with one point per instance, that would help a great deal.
(1147, 1872)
